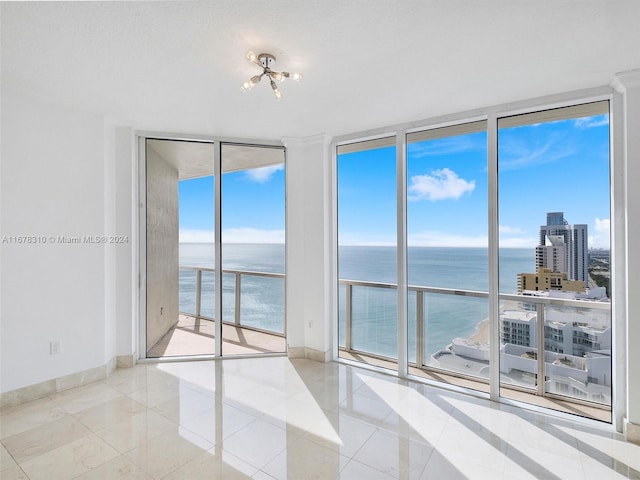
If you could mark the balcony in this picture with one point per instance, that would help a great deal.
(250, 325)
(574, 381)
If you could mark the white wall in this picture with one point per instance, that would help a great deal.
(126, 177)
(309, 285)
(56, 181)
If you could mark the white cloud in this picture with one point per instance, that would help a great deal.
(440, 239)
(234, 235)
(263, 174)
(520, 155)
(591, 122)
(367, 239)
(446, 146)
(602, 225)
(196, 236)
(515, 237)
(600, 237)
(518, 242)
(252, 235)
(439, 185)
(510, 230)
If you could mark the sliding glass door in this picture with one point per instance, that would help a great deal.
(190, 307)
(253, 243)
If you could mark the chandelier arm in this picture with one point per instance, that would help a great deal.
(265, 61)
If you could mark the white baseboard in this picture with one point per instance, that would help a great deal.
(126, 361)
(310, 353)
(632, 432)
(55, 385)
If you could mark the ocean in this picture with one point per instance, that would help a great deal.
(374, 317)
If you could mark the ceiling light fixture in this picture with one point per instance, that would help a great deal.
(266, 61)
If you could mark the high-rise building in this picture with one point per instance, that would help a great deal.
(546, 279)
(563, 247)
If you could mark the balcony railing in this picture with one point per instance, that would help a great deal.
(238, 276)
(564, 373)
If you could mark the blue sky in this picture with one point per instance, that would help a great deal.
(554, 166)
(252, 212)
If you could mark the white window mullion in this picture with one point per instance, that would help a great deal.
(217, 208)
(494, 286)
(401, 178)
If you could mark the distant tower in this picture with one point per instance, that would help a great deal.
(579, 262)
(567, 249)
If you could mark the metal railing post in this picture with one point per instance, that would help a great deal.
(347, 316)
(198, 291)
(419, 328)
(237, 298)
(540, 348)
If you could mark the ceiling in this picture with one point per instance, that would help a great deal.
(197, 159)
(178, 66)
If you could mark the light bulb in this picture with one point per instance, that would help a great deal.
(252, 57)
(276, 92)
(295, 76)
(248, 85)
(277, 76)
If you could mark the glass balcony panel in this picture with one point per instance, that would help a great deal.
(208, 299)
(518, 352)
(187, 289)
(228, 297)
(456, 334)
(262, 302)
(374, 321)
(578, 353)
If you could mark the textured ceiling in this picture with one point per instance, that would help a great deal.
(177, 66)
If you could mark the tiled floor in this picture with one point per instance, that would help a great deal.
(279, 418)
(566, 406)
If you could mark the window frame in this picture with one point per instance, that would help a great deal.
(492, 115)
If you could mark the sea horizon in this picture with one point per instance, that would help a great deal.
(374, 310)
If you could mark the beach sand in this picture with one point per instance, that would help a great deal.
(481, 334)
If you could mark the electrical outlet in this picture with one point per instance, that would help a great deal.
(54, 347)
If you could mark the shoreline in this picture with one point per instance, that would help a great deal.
(481, 335)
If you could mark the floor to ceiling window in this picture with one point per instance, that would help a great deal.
(185, 294)
(529, 194)
(253, 242)
(554, 209)
(367, 251)
(448, 252)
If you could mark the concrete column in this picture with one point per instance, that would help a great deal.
(628, 84)
(308, 245)
(162, 247)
